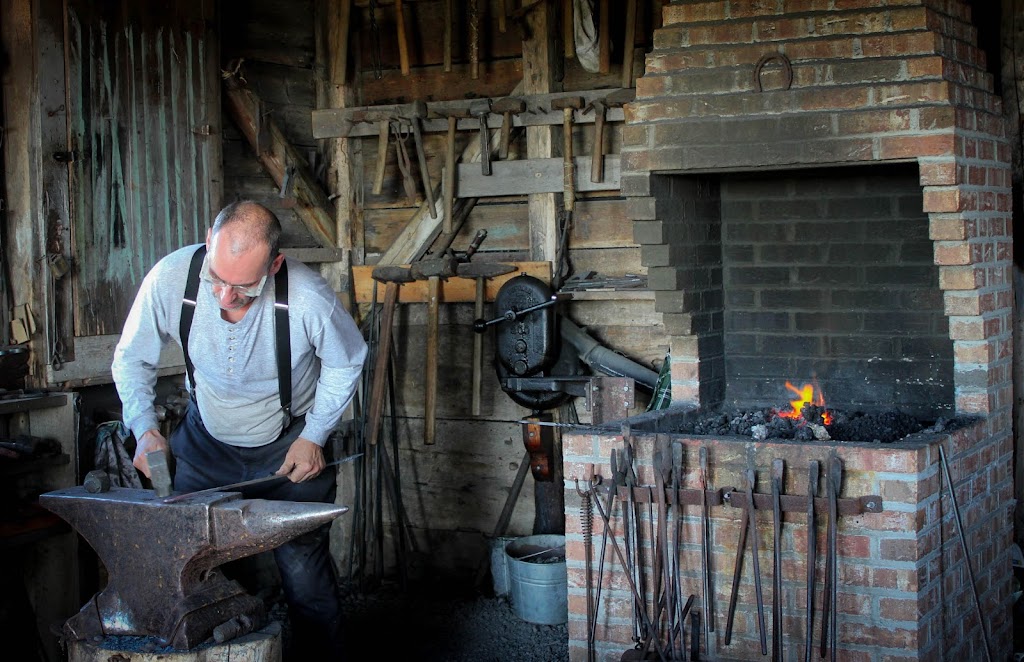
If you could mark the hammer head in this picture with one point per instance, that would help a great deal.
(562, 103)
(418, 110)
(621, 97)
(480, 108)
(509, 105)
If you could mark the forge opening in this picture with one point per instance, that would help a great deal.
(822, 275)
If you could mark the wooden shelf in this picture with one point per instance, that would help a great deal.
(16, 467)
(612, 295)
(15, 405)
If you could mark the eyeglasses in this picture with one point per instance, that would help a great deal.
(251, 290)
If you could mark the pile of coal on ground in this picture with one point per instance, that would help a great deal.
(449, 623)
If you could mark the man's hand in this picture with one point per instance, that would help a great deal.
(151, 440)
(304, 461)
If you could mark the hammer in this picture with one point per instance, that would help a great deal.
(614, 100)
(480, 110)
(508, 107)
(449, 169)
(417, 112)
(567, 105)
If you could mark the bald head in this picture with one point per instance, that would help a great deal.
(245, 226)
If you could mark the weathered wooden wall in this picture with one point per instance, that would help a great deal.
(275, 41)
(464, 479)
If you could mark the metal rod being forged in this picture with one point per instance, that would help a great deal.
(247, 483)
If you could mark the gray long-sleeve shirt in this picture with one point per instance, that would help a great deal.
(235, 366)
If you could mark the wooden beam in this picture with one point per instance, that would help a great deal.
(280, 159)
(332, 45)
(526, 176)
(336, 122)
(453, 290)
(316, 255)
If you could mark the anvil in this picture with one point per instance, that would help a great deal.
(162, 559)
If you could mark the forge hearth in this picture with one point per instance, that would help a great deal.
(763, 424)
(903, 590)
(821, 190)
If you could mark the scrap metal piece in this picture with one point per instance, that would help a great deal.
(161, 559)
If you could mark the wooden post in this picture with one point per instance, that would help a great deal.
(539, 54)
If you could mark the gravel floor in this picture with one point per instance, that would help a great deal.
(445, 623)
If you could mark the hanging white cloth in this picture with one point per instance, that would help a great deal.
(587, 47)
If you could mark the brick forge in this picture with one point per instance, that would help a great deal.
(808, 90)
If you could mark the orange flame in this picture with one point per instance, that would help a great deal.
(805, 395)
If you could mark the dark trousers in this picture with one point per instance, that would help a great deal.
(304, 563)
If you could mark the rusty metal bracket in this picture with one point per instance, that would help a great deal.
(797, 503)
(610, 398)
(678, 497)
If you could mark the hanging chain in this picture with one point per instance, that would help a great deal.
(378, 67)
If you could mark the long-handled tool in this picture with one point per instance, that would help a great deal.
(568, 105)
(705, 542)
(418, 113)
(616, 99)
(833, 480)
(474, 38)
(778, 475)
(629, 43)
(634, 554)
(651, 630)
(737, 572)
(480, 110)
(812, 544)
(403, 44)
(234, 487)
(507, 107)
(618, 477)
(967, 555)
(587, 528)
(752, 520)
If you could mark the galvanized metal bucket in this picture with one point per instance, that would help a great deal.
(538, 586)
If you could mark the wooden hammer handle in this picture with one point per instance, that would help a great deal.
(430, 385)
(403, 44)
(383, 128)
(568, 167)
(380, 366)
(597, 157)
(449, 176)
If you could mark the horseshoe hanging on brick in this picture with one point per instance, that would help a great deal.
(787, 67)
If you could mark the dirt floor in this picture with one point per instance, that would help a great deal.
(445, 623)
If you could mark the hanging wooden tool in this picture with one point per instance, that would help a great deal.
(418, 112)
(474, 39)
(568, 105)
(448, 18)
(403, 44)
(604, 42)
(629, 44)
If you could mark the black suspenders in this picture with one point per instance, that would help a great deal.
(281, 333)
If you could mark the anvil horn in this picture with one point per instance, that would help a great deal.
(161, 558)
